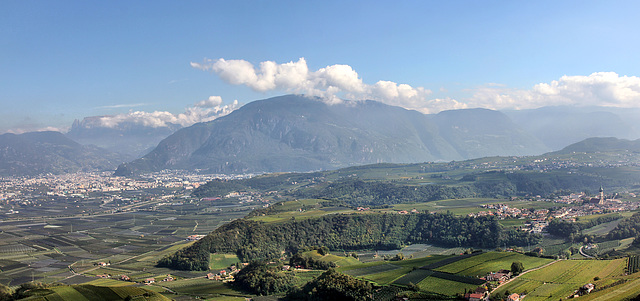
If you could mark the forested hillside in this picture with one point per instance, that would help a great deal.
(252, 240)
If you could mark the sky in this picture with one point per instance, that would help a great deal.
(182, 62)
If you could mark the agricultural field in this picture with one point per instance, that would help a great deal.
(481, 265)
(560, 279)
(203, 287)
(91, 292)
(387, 272)
(444, 286)
(222, 261)
(46, 249)
(602, 228)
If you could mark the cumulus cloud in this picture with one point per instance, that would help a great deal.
(330, 83)
(597, 89)
(336, 82)
(202, 111)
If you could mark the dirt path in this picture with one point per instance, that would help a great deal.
(584, 254)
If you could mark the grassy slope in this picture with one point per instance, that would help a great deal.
(560, 279)
(483, 264)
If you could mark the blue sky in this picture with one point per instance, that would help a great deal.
(65, 60)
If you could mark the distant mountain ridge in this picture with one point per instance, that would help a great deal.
(600, 144)
(559, 126)
(36, 153)
(298, 133)
(133, 140)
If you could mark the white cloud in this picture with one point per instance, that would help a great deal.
(341, 81)
(202, 111)
(36, 128)
(128, 105)
(597, 89)
(330, 82)
(211, 102)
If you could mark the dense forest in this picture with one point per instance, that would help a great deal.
(252, 240)
(331, 286)
(261, 279)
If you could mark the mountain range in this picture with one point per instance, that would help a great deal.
(131, 140)
(51, 152)
(298, 133)
(560, 126)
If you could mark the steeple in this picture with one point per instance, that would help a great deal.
(601, 196)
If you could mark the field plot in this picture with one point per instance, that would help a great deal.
(388, 276)
(92, 292)
(624, 291)
(562, 278)
(415, 251)
(485, 263)
(202, 287)
(602, 228)
(380, 268)
(411, 271)
(222, 261)
(444, 286)
(413, 277)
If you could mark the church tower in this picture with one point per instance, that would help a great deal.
(601, 196)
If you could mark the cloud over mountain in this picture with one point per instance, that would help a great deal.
(331, 82)
(342, 81)
(202, 111)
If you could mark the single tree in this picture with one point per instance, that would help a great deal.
(517, 267)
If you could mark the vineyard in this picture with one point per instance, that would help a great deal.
(634, 264)
(485, 263)
(560, 279)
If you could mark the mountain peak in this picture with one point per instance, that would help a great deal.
(301, 133)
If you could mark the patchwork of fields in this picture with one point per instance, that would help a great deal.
(441, 274)
(44, 249)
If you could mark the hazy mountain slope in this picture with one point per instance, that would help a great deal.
(130, 139)
(603, 145)
(50, 152)
(479, 133)
(296, 133)
(560, 126)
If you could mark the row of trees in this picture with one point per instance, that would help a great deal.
(252, 240)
